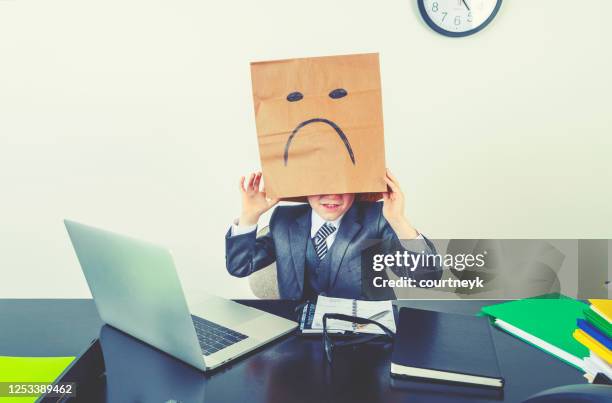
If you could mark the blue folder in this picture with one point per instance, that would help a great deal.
(595, 333)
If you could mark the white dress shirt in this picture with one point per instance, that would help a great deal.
(238, 229)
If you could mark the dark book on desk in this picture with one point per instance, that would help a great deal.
(445, 347)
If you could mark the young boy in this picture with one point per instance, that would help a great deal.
(317, 246)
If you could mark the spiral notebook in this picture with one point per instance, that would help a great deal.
(312, 315)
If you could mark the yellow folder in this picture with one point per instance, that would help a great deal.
(593, 345)
(603, 307)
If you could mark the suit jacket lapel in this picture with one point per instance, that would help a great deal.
(349, 227)
(299, 234)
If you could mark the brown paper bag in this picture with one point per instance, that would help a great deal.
(320, 126)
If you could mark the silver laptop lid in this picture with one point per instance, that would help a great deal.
(137, 290)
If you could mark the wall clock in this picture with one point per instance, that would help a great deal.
(458, 17)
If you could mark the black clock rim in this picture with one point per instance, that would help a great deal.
(451, 34)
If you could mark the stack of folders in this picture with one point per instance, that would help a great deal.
(545, 322)
(445, 347)
(595, 333)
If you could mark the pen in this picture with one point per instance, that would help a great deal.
(376, 316)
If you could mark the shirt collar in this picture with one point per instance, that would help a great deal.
(317, 222)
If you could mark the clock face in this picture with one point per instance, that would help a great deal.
(458, 17)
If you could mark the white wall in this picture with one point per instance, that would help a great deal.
(137, 116)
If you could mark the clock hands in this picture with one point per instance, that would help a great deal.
(466, 6)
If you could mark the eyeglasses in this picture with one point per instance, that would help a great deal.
(331, 340)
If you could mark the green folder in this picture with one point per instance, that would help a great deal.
(30, 369)
(546, 323)
(598, 322)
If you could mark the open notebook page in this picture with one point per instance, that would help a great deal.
(363, 309)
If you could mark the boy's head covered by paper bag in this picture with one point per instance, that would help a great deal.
(319, 126)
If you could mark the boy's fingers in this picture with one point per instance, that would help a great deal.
(392, 185)
(271, 202)
(391, 176)
(391, 179)
(242, 178)
(256, 182)
(250, 185)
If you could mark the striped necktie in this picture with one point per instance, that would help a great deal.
(319, 239)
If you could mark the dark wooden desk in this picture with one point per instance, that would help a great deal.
(289, 370)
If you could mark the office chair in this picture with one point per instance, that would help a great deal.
(514, 268)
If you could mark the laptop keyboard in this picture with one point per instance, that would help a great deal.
(213, 337)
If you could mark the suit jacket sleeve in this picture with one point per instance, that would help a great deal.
(391, 244)
(246, 253)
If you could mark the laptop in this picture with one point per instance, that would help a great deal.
(136, 289)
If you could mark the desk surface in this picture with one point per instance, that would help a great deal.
(291, 369)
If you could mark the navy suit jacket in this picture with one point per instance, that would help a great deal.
(285, 243)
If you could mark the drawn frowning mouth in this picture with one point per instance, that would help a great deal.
(321, 120)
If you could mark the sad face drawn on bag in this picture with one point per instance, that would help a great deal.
(319, 125)
(297, 96)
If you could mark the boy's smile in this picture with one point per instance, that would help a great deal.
(333, 206)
